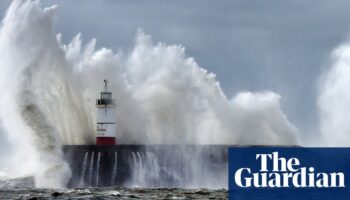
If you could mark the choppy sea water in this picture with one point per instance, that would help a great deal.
(23, 189)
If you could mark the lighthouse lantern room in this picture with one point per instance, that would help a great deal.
(106, 123)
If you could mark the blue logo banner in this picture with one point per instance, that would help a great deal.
(289, 173)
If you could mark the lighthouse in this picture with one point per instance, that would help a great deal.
(106, 123)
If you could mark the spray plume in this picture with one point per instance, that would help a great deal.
(49, 88)
(334, 99)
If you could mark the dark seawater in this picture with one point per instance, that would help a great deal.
(23, 189)
(112, 193)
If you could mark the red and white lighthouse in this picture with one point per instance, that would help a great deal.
(106, 123)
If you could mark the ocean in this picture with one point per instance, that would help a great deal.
(23, 189)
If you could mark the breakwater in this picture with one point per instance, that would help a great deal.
(185, 166)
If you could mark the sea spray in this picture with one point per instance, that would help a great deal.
(26, 48)
(163, 96)
(334, 99)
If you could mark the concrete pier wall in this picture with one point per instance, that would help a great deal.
(187, 166)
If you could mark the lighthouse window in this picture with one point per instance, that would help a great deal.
(106, 95)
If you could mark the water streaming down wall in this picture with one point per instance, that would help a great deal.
(98, 167)
(83, 170)
(91, 169)
(115, 168)
(148, 165)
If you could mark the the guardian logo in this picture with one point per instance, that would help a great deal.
(288, 173)
(275, 171)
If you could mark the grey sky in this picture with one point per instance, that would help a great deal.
(253, 45)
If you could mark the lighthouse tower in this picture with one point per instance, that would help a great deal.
(106, 126)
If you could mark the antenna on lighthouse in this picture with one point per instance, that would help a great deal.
(106, 84)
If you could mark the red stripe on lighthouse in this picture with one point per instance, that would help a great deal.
(106, 141)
